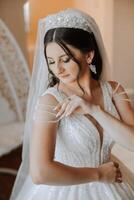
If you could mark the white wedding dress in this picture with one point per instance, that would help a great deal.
(78, 145)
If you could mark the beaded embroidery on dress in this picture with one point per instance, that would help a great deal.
(78, 145)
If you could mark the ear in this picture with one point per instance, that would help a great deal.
(89, 57)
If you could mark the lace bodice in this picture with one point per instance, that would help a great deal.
(78, 140)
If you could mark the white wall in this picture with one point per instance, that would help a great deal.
(123, 46)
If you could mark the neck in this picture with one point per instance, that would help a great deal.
(86, 82)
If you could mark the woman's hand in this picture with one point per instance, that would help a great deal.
(74, 104)
(110, 173)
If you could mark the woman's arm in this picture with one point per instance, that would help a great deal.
(121, 130)
(43, 168)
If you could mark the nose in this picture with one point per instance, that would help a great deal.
(60, 69)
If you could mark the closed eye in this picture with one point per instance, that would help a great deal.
(66, 60)
(50, 63)
(63, 60)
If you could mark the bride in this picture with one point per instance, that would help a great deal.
(74, 117)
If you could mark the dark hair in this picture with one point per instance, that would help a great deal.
(78, 38)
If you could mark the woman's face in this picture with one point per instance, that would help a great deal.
(62, 66)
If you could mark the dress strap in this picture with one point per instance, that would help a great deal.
(39, 114)
(115, 90)
(108, 94)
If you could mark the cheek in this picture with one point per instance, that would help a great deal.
(73, 69)
(73, 72)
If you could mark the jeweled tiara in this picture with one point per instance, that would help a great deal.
(69, 18)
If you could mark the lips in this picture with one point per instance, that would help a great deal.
(64, 76)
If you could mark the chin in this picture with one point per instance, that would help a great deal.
(68, 81)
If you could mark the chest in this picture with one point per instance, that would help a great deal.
(84, 129)
(97, 99)
(97, 126)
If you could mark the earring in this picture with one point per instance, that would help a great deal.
(93, 68)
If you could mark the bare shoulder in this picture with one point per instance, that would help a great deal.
(122, 102)
(119, 92)
(116, 85)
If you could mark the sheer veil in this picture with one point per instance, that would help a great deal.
(39, 83)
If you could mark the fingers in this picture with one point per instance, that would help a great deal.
(62, 107)
(67, 107)
(116, 164)
(118, 177)
(60, 104)
(70, 105)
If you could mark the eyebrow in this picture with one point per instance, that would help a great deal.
(59, 56)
